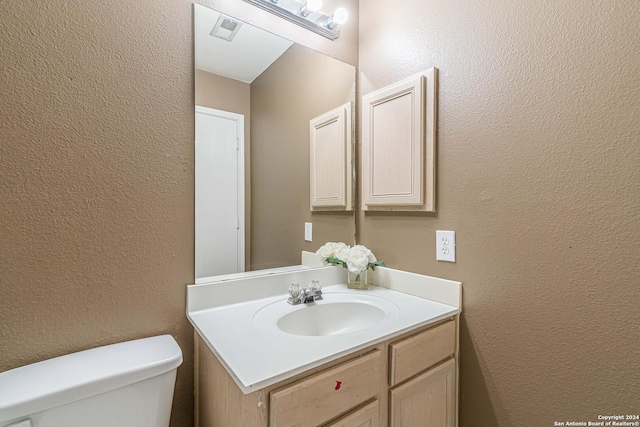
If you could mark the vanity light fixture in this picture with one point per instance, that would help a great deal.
(307, 14)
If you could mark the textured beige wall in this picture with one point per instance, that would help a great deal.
(539, 174)
(222, 93)
(97, 179)
(96, 174)
(297, 87)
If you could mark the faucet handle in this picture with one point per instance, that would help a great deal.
(315, 286)
(294, 290)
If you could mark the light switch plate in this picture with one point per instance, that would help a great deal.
(446, 245)
(308, 231)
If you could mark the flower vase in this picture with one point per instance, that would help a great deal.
(357, 280)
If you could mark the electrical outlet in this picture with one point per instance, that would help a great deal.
(446, 245)
(308, 231)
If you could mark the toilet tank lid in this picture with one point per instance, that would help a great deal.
(54, 382)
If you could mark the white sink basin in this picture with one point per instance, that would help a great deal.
(336, 314)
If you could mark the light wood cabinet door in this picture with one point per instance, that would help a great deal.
(398, 145)
(331, 160)
(426, 401)
(367, 416)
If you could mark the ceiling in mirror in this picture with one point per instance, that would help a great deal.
(250, 52)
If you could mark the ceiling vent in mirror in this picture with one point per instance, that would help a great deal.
(226, 28)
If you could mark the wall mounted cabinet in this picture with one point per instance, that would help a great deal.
(331, 160)
(398, 145)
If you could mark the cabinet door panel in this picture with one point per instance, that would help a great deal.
(331, 160)
(367, 416)
(427, 400)
(398, 145)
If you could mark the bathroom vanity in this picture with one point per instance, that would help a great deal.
(387, 356)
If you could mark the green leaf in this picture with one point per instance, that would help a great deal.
(372, 265)
(336, 261)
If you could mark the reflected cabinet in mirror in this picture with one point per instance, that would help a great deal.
(255, 96)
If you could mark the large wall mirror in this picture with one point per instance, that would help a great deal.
(255, 94)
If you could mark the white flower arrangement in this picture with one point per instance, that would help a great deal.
(356, 258)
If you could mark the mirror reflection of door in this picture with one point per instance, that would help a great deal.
(219, 221)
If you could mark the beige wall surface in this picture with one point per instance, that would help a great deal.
(539, 174)
(96, 166)
(222, 93)
(297, 87)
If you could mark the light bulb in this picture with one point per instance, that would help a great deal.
(314, 5)
(340, 16)
(310, 6)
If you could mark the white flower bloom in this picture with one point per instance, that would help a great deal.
(358, 258)
(372, 257)
(327, 250)
(341, 251)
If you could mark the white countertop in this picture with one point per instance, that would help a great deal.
(257, 356)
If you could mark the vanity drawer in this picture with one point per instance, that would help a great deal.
(416, 353)
(327, 394)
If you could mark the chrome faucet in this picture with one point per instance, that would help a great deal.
(305, 295)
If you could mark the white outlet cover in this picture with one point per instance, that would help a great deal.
(308, 231)
(446, 245)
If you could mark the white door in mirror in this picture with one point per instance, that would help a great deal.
(446, 245)
(219, 184)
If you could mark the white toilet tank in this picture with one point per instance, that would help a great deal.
(129, 384)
